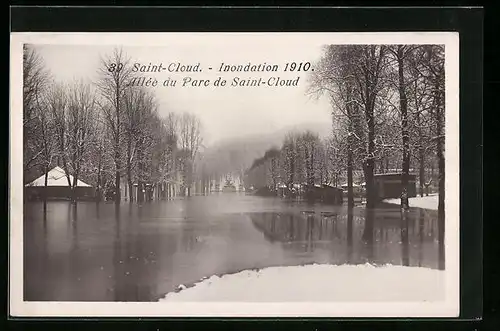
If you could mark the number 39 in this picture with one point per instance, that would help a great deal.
(113, 67)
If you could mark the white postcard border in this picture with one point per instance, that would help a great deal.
(447, 308)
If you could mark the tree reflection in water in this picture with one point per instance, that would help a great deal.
(72, 267)
(441, 226)
(354, 236)
(368, 235)
(350, 248)
(309, 231)
(291, 234)
(421, 220)
(119, 289)
(97, 210)
(73, 211)
(405, 249)
(132, 257)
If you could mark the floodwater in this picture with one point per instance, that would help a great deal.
(98, 252)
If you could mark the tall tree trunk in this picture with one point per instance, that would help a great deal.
(275, 183)
(140, 183)
(140, 191)
(371, 76)
(117, 143)
(433, 166)
(421, 169)
(98, 197)
(441, 174)
(371, 195)
(421, 149)
(311, 170)
(403, 104)
(117, 175)
(73, 188)
(350, 191)
(129, 170)
(45, 186)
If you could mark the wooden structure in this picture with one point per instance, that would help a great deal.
(324, 193)
(57, 187)
(358, 190)
(390, 185)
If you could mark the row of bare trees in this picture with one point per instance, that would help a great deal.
(388, 103)
(105, 130)
(303, 158)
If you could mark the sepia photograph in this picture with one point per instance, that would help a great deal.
(234, 174)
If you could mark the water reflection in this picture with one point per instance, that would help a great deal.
(350, 217)
(119, 289)
(362, 235)
(405, 248)
(421, 220)
(108, 252)
(73, 212)
(368, 234)
(131, 261)
(441, 229)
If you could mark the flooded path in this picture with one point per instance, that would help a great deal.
(97, 252)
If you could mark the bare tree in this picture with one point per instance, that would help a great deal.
(133, 100)
(335, 76)
(115, 74)
(165, 146)
(57, 103)
(434, 63)
(290, 156)
(421, 96)
(190, 140)
(368, 73)
(75, 117)
(272, 157)
(99, 162)
(322, 168)
(145, 140)
(169, 157)
(35, 79)
(401, 53)
(309, 143)
(44, 135)
(335, 146)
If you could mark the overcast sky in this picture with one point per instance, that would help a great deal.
(224, 112)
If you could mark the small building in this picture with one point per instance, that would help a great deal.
(357, 189)
(332, 195)
(390, 186)
(57, 187)
(323, 193)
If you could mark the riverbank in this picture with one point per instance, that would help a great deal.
(428, 202)
(319, 282)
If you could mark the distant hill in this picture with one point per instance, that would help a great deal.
(237, 154)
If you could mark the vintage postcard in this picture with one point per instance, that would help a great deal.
(234, 174)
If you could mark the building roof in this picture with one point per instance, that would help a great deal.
(56, 177)
(353, 185)
(392, 174)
